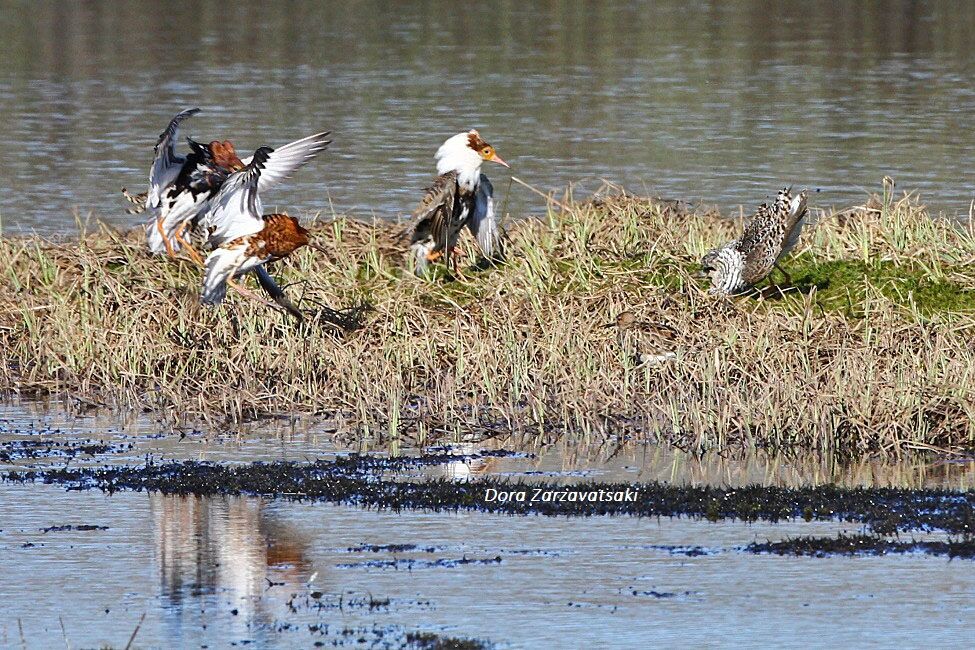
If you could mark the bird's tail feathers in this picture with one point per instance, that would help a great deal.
(798, 207)
(138, 200)
(221, 264)
(421, 250)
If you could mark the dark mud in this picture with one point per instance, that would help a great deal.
(65, 527)
(375, 636)
(391, 548)
(411, 564)
(863, 545)
(383, 637)
(362, 480)
(33, 449)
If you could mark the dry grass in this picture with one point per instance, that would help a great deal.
(873, 353)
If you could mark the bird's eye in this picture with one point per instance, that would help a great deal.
(487, 151)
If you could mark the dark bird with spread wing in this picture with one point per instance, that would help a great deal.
(181, 188)
(461, 196)
(244, 239)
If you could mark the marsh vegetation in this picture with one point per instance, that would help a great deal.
(869, 351)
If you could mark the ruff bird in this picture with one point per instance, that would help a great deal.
(645, 342)
(244, 238)
(461, 196)
(182, 188)
(771, 233)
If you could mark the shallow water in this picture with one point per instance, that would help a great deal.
(279, 573)
(215, 571)
(38, 435)
(720, 102)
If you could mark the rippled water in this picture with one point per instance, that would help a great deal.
(278, 573)
(714, 101)
(281, 574)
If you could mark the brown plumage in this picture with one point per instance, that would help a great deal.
(644, 342)
(442, 213)
(282, 235)
(225, 156)
(475, 141)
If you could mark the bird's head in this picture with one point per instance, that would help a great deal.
(709, 264)
(285, 233)
(465, 152)
(225, 156)
(483, 149)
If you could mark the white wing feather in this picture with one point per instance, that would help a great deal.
(796, 208)
(225, 263)
(221, 264)
(236, 209)
(287, 159)
(166, 164)
(484, 223)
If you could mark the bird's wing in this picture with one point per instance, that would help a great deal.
(483, 222)
(236, 209)
(431, 219)
(758, 244)
(798, 211)
(221, 265)
(287, 159)
(276, 292)
(166, 164)
(756, 229)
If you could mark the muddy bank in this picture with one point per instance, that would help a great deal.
(373, 482)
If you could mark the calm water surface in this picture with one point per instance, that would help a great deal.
(720, 102)
(247, 571)
(276, 573)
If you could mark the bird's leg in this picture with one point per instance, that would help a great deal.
(195, 256)
(433, 256)
(788, 278)
(247, 293)
(166, 243)
(198, 259)
(454, 254)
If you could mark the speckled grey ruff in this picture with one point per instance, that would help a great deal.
(771, 233)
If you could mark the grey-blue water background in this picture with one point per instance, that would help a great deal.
(719, 102)
(81, 568)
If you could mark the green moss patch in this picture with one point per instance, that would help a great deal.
(842, 285)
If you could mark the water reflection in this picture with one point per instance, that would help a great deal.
(470, 464)
(134, 438)
(229, 547)
(196, 567)
(574, 458)
(719, 101)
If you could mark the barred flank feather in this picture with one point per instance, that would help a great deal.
(770, 234)
(139, 200)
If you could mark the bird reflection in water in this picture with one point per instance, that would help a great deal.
(230, 547)
(468, 466)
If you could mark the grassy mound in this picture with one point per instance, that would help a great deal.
(870, 352)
